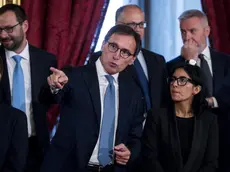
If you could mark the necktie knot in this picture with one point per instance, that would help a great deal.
(17, 58)
(110, 79)
(201, 56)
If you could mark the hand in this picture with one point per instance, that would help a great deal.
(190, 50)
(122, 154)
(58, 79)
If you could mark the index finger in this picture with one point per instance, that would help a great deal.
(55, 71)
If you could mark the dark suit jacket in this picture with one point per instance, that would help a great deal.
(40, 62)
(14, 139)
(80, 123)
(161, 145)
(221, 91)
(157, 76)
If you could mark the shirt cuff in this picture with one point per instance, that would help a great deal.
(54, 90)
(215, 104)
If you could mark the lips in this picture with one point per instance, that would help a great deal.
(175, 92)
(5, 40)
(114, 65)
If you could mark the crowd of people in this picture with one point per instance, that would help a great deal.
(127, 110)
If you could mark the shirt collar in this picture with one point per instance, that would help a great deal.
(24, 54)
(101, 71)
(206, 53)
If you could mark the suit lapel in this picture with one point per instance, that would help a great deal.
(123, 103)
(91, 79)
(218, 70)
(35, 72)
(5, 79)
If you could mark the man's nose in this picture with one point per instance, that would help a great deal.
(3, 34)
(187, 36)
(116, 55)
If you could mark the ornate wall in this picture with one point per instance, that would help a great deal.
(3, 2)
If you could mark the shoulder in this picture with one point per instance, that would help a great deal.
(42, 52)
(216, 54)
(93, 58)
(176, 61)
(154, 55)
(208, 117)
(158, 114)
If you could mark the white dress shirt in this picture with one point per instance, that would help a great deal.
(141, 59)
(25, 64)
(103, 83)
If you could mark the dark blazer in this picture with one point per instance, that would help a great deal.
(157, 74)
(40, 62)
(161, 145)
(221, 87)
(80, 123)
(14, 139)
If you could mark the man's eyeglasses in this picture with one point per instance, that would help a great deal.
(134, 25)
(9, 29)
(124, 53)
(181, 81)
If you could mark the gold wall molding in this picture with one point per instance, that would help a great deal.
(4, 2)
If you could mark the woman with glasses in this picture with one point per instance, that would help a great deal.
(183, 137)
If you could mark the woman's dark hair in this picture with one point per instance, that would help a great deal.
(196, 74)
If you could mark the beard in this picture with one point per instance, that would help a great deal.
(12, 43)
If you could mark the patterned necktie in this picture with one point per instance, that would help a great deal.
(204, 66)
(105, 153)
(144, 83)
(18, 90)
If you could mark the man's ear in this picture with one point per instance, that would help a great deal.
(132, 60)
(207, 30)
(25, 26)
(102, 46)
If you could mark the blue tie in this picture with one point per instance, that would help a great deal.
(18, 92)
(105, 153)
(144, 83)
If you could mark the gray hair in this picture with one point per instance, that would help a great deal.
(193, 13)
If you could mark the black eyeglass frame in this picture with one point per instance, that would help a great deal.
(181, 81)
(134, 25)
(122, 51)
(9, 29)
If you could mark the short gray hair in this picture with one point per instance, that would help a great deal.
(193, 13)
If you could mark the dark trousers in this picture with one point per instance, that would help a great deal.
(98, 168)
(34, 158)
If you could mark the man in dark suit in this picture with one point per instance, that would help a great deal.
(102, 110)
(14, 137)
(195, 31)
(149, 68)
(25, 71)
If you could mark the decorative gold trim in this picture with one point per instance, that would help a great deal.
(4, 2)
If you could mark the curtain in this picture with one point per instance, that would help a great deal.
(65, 28)
(163, 31)
(219, 16)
